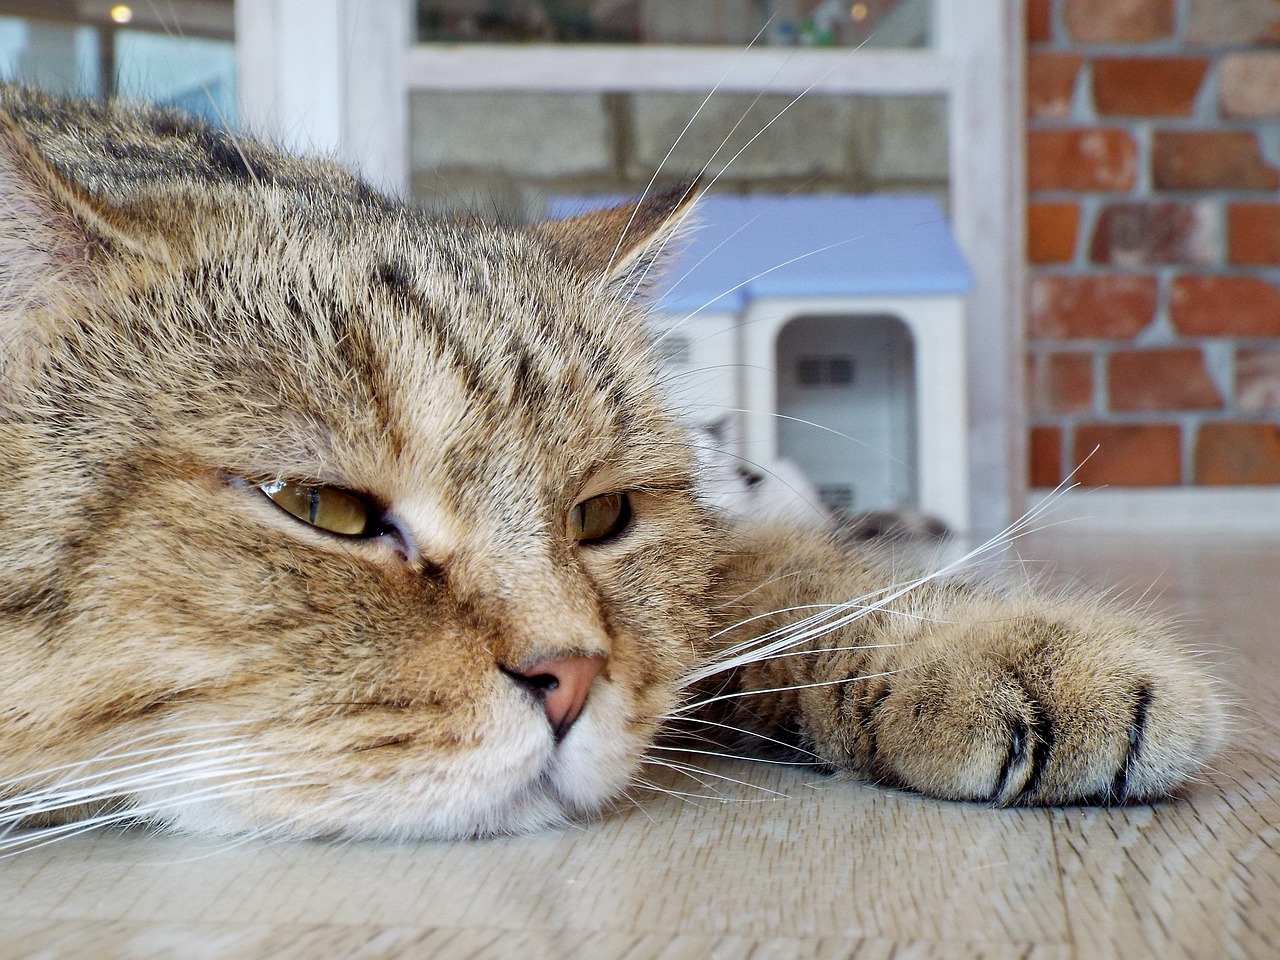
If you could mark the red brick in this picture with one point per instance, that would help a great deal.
(1160, 380)
(1148, 86)
(1144, 455)
(1253, 233)
(1062, 383)
(1228, 454)
(1051, 83)
(1051, 232)
(1225, 307)
(1220, 159)
(1115, 307)
(1134, 234)
(1249, 84)
(1093, 159)
(1039, 21)
(1120, 21)
(1233, 22)
(1045, 456)
(1258, 380)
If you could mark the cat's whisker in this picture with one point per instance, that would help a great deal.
(736, 756)
(675, 328)
(21, 807)
(141, 811)
(772, 643)
(855, 441)
(691, 799)
(691, 773)
(786, 263)
(759, 133)
(818, 621)
(842, 613)
(754, 618)
(26, 806)
(27, 841)
(697, 773)
(739, 694)
(127, 750)
(613, 256)
(815, 651)
(792, 635)
(644, 811)
(746, 732)
(785, 648)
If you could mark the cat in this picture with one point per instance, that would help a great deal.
(322, 517)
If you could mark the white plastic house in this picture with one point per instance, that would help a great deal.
(825, 334)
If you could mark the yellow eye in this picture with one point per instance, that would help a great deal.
(325, 507)
(600, 518)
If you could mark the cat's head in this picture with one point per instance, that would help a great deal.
(321, 515)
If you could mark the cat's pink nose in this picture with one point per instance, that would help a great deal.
(562, 684)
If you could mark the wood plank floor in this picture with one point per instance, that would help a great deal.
(789, 865)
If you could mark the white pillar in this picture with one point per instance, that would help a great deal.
(327, 76)
(986, 131)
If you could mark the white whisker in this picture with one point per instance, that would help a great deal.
(11, 843)
(672, 149)
(25, 806)
(696, 774)
(738, 694)
(736, 756)
(749, 733)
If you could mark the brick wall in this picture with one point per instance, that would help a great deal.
(1153, 224)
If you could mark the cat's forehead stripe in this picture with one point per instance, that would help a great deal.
(516, 357)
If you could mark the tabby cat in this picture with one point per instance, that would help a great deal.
(324, 517)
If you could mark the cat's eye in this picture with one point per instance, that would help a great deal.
(600, 518)
(328, 508)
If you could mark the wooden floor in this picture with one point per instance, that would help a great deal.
(790, 866)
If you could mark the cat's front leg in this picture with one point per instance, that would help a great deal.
(958, 691)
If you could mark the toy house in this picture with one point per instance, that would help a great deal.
(825, 335)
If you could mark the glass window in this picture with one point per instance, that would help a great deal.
(194, 74)
(58, 57)
(852, 23)
(176, 54)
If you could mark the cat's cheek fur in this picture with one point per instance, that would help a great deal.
(598, 758)
(516, 780)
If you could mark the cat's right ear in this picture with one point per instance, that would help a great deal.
(55, 242)
(622, 245)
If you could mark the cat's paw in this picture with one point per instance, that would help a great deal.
(1062, 703)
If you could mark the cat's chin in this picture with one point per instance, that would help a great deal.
(530, 784)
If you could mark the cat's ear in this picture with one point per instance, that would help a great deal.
(620, 245)
(55, 241)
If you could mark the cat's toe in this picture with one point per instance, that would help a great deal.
(1138, 742)
(1124, 785)
(1030, 738)
(1076, 724)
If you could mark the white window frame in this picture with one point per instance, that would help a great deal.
(342, 72)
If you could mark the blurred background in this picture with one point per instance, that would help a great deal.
(1109, 169)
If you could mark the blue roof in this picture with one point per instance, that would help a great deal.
(748, 248)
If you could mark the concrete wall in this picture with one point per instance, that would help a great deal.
(510, 152)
